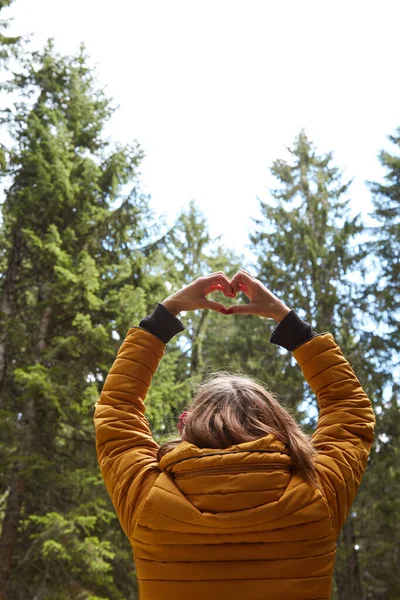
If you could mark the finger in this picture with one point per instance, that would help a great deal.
(214, 288)
(230, 293)
(211, 305)
(215, 274)
(245, 275)
(218, 281)
(242, 281)
(218, 277)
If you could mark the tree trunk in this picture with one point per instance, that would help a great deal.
(15, 501)
(347, 571)
(9, 532)
(12, 514)
(8, 297)
(196, 363)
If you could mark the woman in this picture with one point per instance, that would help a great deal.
(245, 506)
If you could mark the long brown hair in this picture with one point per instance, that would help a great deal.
(230, 409)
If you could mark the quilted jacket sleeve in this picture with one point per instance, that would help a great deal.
(345, 430)
(126, 451)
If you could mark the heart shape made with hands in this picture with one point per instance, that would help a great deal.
(230, 288)
(262, 301)
(194, 296)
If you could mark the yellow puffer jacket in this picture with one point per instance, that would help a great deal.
(235, 524)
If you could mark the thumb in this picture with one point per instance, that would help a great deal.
(243, 309)
(211, 305)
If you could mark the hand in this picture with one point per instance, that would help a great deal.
(193, 296)
(262, 302)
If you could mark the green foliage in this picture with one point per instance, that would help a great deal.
(73, 273)
(379, 537)
(168, 396)
(378, 504)
(307, 252)
(83, 259)
(383, 294)
(9, 46)
(193, 253)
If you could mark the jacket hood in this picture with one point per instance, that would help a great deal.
(239, 477)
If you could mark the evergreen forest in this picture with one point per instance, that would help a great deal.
(83, 257)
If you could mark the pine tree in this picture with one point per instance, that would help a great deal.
(74, 276)
(307, 252)
(385, 245)
(378, 505)
(9, 46)
(194, 254)
(190, 252)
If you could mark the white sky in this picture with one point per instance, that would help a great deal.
(215, 90)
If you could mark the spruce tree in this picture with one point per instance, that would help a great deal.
(379, 505)
(195, 253)
(74, 278)
(385, 244)
(307, 252)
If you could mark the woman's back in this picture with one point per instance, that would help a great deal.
(233, 525)
(239, 522)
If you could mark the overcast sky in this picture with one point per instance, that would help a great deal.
(214, 90)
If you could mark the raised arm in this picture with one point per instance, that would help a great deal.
(345, 430)
(126, 450)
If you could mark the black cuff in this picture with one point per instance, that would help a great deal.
(162, 324)
(292, 332)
